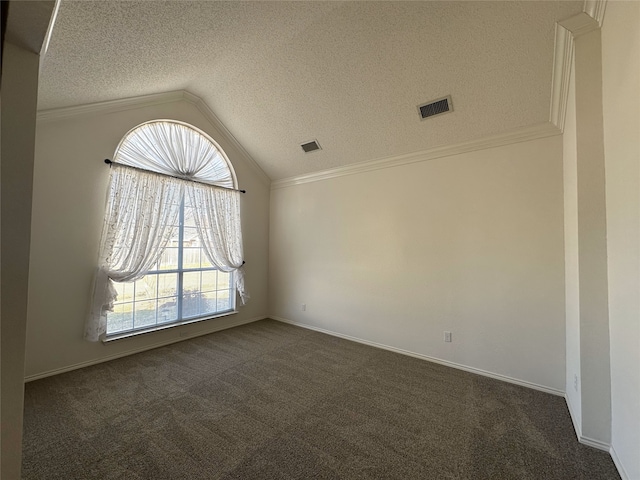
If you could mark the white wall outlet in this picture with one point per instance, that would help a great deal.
(575, 382)
(447, 336)
(304, 307)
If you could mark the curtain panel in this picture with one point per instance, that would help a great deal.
(140, 218)
(143, 209)
(217, 219)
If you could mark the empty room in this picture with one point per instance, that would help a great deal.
(309, 239)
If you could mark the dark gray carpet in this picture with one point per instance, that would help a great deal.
(273, 401)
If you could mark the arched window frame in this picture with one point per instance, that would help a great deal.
(204, 134)
(177, 154)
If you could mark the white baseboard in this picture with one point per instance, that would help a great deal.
(594, 443)
(578, 429)
(75, 366)
(581, 438)
(447, 363)
(621, 470)
(576, 424)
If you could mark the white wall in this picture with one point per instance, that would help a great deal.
(592, 239)
(571, 272)
(70, 182)
(19, 97)
(471, 243)
(621, 101)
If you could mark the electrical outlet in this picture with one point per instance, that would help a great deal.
(304, 307)
(575, 382)
(447, 336)
(183, 334)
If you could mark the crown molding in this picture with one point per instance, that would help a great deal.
(580, 24)
(215, 121)
(562, 62)
(567, 30)
(515, 136)
(595, 9)
(112, 106)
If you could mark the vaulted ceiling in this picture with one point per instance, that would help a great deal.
(349, 74)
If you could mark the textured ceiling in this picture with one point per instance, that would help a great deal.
(349, 74)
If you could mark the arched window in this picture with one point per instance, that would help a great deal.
(171, 249)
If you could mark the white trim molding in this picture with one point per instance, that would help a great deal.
(594, 443)
(562, 62)
(577, 426)
(109, 106)
(567, 30)
(580, 24)
(112, 106)
(215, 121)
(88, 363)
(533, 132)
(618, 463)
(595, 9)
(458, 366)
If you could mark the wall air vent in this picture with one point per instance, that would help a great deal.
(311, 146)
(436, 107)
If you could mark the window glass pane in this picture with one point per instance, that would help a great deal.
(144, 313)
(208, 303)
(190, 258)
(125, 292)
(167, 284)
(191, 282)
(187, 202)
(223, 280)
(175, 237)
(205, 260)
(190, 304)
(190, 238)
(224, 300)
(167, 309)
(188, 217)
(209, 280)
(169, 259)
(121, 318)
(146, 287)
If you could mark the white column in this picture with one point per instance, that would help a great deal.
(18, 126)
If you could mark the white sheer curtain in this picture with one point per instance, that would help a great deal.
(143, 209)
(175, 149)
(217, 219)
(142, 213)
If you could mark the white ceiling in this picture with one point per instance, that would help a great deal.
(349, 74)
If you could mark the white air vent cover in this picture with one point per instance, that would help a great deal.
(435, 107)
(311, 146)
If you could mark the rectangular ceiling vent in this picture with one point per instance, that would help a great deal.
(437, 107)
(311, 146)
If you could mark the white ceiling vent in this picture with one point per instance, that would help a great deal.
(311, 146)
(436, 107)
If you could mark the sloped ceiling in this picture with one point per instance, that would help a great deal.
(349, 74)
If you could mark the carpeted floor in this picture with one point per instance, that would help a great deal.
(273, 401)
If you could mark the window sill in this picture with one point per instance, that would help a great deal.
(120, 336)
